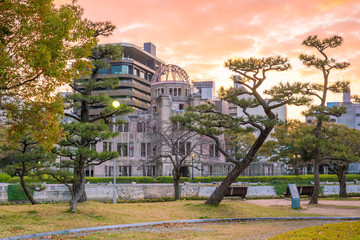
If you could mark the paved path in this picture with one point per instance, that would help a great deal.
(324, 208)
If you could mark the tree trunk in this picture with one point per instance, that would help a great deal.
(342, 181)
(26, 191)
(78, 189)
(177, 188)
(219, 193)
(314, 198)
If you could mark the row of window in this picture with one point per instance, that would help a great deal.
(128, 149)
(126, 171)
(172, 92)
(125, 69)
(148, 149)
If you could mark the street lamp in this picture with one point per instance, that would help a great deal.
(115, 104)
(192, 166)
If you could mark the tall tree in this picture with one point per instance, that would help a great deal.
(207, 121)
(37, 40)
(84, 131)
(319, 91)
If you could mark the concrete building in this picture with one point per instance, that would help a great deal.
(135, 71)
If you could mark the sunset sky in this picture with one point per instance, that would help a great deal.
(199, 35)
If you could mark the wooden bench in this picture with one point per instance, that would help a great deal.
(236, 191)
(303, 190)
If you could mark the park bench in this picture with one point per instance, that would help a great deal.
(303, 190)
(236, 191)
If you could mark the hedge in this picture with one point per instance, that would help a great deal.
(4, 177)
(120, 179)
(268, 179)
(16, 193)
(171, 179)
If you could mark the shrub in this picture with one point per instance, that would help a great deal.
(16, 193)
(120, 179)
(168, 179)
(4, 177)
(27, 179)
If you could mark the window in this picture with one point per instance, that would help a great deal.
(116, 69)
(106, 171)
(188, 148)
(110, 171)
(124, 127)
(122, 149)
(182, 148)
(141, 127)
(93, 146)
(175, 91)
(107, 146)
(213, 151)
(170, 91)
(179, 91)
(186, 92)
(124, 170)
(103, 71)
(142, 75)
(148, 149)
(162, 91)
(131, 149)
(137, 72)
(89, 171)
(149, 171)
(143, 149)
(181, 106)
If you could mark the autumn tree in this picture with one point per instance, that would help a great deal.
(319, 91)
(251, 74)
(84, 130)
(37, 40)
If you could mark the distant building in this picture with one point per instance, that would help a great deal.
(135, 71)
(206, 88)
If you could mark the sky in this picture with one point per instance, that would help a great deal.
(200, 35)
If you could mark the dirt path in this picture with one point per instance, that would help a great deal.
(325, 207)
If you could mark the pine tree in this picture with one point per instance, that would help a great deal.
(84, 130)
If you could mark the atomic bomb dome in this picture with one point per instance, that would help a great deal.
(170, 73)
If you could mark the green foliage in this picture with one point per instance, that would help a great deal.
(16, 193)
(269, 179)
(120, 179)
(4, 177)
(167, 179)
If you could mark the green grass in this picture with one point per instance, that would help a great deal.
(344, 230)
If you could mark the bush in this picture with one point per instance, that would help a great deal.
(27, 179)
(169, 179)
(16, 193)
(4, 177)
(120, 179)
(286, 178)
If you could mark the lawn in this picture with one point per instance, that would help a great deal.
(26, 219)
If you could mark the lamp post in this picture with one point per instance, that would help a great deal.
(115, 104)
(192, 166)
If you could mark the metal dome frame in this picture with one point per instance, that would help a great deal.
(175, 72)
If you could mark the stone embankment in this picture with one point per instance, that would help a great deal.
(133, 191)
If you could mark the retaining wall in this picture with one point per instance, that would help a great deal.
(104, 192)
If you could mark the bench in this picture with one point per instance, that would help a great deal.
(236, 191)
(303, 190)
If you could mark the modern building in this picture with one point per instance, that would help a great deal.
(135, 71)
(206, 88)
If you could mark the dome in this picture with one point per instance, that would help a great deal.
(170, 73)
